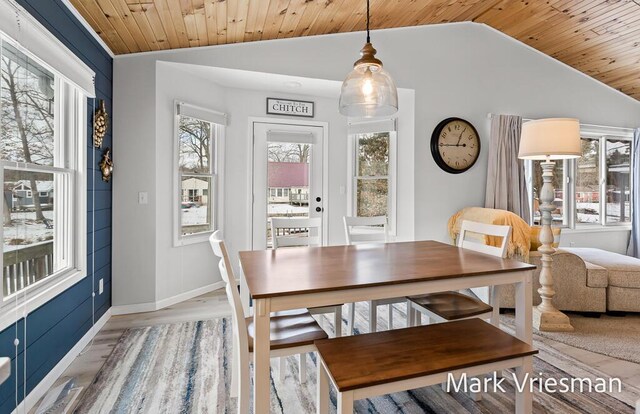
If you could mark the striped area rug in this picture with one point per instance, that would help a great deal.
(184, 368)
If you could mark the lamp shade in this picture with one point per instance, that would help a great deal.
(368, 91)
(552, 138)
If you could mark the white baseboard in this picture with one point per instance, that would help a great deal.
(163, 303)
(47, 382)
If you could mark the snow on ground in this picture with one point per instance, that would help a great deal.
(25, 228)
(589, 212)
(198, 215)
(194, 216)
(280, 209)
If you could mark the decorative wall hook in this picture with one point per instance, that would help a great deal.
(100, 124)
(106, 165)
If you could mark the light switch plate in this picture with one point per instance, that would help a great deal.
(143, 197)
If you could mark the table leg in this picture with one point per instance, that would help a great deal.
(495, 303)
(524, 331)
(524, 309)
(524, 399)
(345, 402)
(373, 316)
(323, 388)
(261, 346)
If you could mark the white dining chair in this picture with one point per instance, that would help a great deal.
(301, 232)
(453, 306)
(448, 306)
(362, 230)
(292, 332)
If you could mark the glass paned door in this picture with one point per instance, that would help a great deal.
(287, 176)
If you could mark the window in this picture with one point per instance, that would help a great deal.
(587, 186)
(197, 154)
(594, 190)
(558, 216)
(42, 145)
(372, 189)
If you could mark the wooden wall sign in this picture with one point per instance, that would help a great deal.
(290, 107)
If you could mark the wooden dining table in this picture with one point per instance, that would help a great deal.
(295, 278)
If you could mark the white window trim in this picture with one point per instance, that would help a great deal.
(570, 223)
(392, 175)
(22, 303)
(218, 120)
(29, 35)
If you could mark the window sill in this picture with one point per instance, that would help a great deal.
(193, 239)
(595, 229)
(10, 312)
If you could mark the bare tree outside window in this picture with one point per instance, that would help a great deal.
(286, 152)
(372, 174)
(27, 117)
(618, 191)
(588, 182)
(197, 174)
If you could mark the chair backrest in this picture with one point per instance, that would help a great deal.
(292, 231)
(231, 287)
(366, 229)
(481, 229)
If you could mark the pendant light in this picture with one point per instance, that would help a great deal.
(368, 91)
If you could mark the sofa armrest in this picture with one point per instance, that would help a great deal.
(597, 276)
(570, 277)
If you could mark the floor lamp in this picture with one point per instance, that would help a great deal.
(547, 140)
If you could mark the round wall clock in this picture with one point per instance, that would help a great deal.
(455, 145)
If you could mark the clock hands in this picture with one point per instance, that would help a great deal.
(460, 137)
(457, 144)
(452, 145)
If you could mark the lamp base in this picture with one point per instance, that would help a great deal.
(551, 321)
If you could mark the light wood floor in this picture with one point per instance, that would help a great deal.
(85, 367)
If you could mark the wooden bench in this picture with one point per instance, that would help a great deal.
(370, 365)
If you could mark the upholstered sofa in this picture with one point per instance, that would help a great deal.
(588, 280)
(581, 286)
(623, 273)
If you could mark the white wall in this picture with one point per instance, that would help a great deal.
(464, 70)
(174, 270)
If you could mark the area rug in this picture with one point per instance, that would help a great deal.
(184, 368)
(617, 337)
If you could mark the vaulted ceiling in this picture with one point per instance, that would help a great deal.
(598, 37)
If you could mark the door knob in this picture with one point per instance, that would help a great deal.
(319, 209)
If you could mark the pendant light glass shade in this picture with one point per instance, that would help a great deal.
(368, 91)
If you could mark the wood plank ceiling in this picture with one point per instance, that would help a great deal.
(598, 37)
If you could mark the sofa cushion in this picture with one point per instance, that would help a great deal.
(623, 271)
(597, 276)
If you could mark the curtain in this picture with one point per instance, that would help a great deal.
(506, 184)
(633, 249)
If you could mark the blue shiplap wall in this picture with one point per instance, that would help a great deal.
(53, 329)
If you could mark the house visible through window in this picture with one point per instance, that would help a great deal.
(594, 190)
(41, 213)
(198, 140)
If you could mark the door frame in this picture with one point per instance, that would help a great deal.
(325, 169)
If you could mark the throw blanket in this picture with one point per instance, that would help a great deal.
(520, 242)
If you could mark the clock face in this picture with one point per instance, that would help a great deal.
(455, 145)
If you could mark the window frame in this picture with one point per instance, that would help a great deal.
(70, 163)
(352, 168)
(217, 130)
(601, 134)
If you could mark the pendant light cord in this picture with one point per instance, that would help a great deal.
(368, 38)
